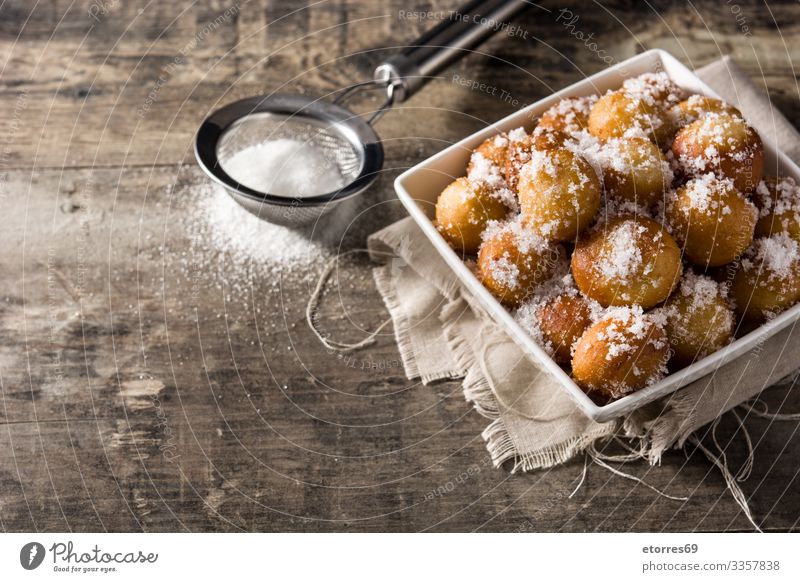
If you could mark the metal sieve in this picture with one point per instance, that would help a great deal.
(343, 138)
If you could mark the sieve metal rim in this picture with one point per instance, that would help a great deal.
(357, 131)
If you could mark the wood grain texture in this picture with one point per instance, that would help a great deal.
(153, 381)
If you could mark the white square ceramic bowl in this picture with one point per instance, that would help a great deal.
(419, 187)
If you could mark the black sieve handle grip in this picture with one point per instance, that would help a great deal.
(449, 41)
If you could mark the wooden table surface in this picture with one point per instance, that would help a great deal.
(156, 378)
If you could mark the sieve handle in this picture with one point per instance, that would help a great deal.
(441, 46)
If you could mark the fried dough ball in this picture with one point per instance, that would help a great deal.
(630, 260)
(559, 193)
(625, 351)
(493, 149)
(569, 115)
(513, 262)
(655, 88)
(697, 106)
(712, 219)
(635, 170)
(462, 212)
(520, 149)
(562, 320)
(768, 279)
(778, 201)
(486, 168)
(620, 114)
(520, 144)
(700, 320)
(549, 139)
(490, 177)
(723, 144)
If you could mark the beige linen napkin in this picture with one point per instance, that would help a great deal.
(442, 333)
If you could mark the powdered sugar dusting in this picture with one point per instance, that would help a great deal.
(701, 289)
(623, 258)
(559, 285)
(229, 237)
(285, 167)
(776, 257)
(570, 114)
(704, 193)
(527, 317)
(719, 132)
(700, 292)
(484, 173)
(505, 271)
(517, 134)
(780, 197)
(628, 328)
(656, 89)
(589, 148)
(542, 163)
(525, 239)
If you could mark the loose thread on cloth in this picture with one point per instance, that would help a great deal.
(599, 459)
(583, 476)
(747, 467)
(744, 471)
(313, 304)
(730, 479)
(640, 452)
(750, 407)
(633, 454)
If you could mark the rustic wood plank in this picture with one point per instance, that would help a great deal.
(91, 104)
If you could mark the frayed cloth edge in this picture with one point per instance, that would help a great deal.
(501, 447)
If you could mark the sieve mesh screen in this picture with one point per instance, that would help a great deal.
(290, 156)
